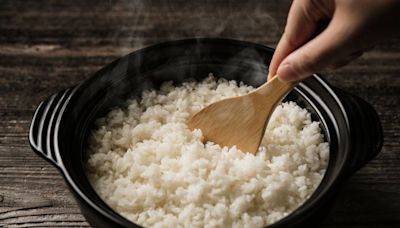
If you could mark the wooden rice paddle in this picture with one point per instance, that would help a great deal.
(241, 120)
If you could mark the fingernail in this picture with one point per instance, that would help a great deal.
(286, 73)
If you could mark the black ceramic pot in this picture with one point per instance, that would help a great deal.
(61, 123)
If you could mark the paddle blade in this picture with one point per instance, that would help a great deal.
(230, 122)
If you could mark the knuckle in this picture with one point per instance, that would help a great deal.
(291, 41)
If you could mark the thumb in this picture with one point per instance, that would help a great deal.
(328, 49)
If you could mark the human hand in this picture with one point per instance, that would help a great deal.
(327, 34)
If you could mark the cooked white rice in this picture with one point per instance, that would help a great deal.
(148, 166)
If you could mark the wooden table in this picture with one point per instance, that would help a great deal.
(49, 45)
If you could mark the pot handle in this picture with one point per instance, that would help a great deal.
(366, 133)
(43, 132)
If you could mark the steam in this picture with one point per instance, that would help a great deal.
(142, 23)
(134, 24)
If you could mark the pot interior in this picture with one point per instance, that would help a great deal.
(180, 61)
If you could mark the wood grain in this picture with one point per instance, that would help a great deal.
(229, 123)
(49, 45)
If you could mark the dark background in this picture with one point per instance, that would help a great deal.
(48, 45)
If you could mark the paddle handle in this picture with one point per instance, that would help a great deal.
(274, 90)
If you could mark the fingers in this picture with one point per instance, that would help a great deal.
(301, 26)
(332, 48)
(352, 29)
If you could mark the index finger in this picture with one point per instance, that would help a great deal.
(301, 26)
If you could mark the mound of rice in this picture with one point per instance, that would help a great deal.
(148, 166)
